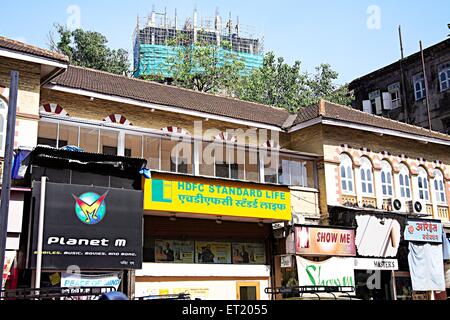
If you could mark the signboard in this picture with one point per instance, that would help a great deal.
(221, 199)
(70, 280)
(423, 231)
(89, 227)
(331, 272)
(9, 260)
(376, 264)
(318, 241)
(249, 253)
(213, 252)
(174, 251)
(377, 237)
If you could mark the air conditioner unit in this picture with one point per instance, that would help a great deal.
(419, 207)
(399, 206)
(297, 219)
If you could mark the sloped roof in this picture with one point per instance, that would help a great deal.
(151, 92)
(21, 47)
(328, 110)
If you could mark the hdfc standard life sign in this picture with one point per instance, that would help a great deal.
(89, 227)
(186, 195)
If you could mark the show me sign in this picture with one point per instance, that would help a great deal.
(223, 198)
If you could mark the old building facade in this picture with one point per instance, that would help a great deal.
(400, 97)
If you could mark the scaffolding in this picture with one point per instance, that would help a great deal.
(154, 34)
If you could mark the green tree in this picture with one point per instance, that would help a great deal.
(89, 49)
(278, 84)
(203, 66)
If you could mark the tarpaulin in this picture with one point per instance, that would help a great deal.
(426, 265)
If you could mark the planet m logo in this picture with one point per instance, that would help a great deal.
(161, 191)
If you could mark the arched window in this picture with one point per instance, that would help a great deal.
(53, 108)
(424, 190)
(405, 182)
(439, 187)
(366, 176)
(346, 169)
(3, 117)
(386, 179)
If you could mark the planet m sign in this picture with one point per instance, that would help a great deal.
(221, 198)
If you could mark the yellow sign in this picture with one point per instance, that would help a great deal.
(188, 195)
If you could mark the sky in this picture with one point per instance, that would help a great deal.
(354, 36)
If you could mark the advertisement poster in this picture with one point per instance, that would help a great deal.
(423, 231)
(9, 260)
(249, 253)
(224, 199)
(376, 237)
(174, 251)
(331, 272)
(213, 252)
(325, 241)
(90, 227)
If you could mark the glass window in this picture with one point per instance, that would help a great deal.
(151, 152)
(366, 176)
(439, 187)
(284, 170)
(252, 166)
(109, 142)
(176, 156)
(207, 158)
(346, 169)
(270, 159)
(394, 91)
(419, 86)
(422, 180)
(226, 158)
(68, 136)
(47, 134)
(89, 140)
(386, 179)
(405, 182)
(133, 146)
(444, 77)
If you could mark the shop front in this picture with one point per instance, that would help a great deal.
(209, 238)
(426, 244)
(318, 256)
(87, 212)
(378, 264)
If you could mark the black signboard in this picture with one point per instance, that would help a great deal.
(88, 227)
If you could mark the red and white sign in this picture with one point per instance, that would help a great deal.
(9, 259)
(320, 241)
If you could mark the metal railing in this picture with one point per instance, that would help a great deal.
(181, 296)
(299, 291)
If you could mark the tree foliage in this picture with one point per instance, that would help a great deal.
(89, 49)
(278, 84)
(203, 66)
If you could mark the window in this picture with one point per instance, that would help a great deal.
(270, 159)
(229, 161)
(366, 176)
(424, 191)
(386, 179)
(133, 146)
(151, 152)
(346, 169)
(375, 101)
(444, 76)
(176, 156)
(404, 182)
(439, 187)
(109, 142)
(67, 136)
(394, 91)
(3, 117)
(419, 87)
(48, 134)
(89, 139)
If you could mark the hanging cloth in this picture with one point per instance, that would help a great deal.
(426, 265)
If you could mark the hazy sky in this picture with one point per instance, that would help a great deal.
(354, 36)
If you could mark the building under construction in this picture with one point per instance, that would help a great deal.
(154, 33)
